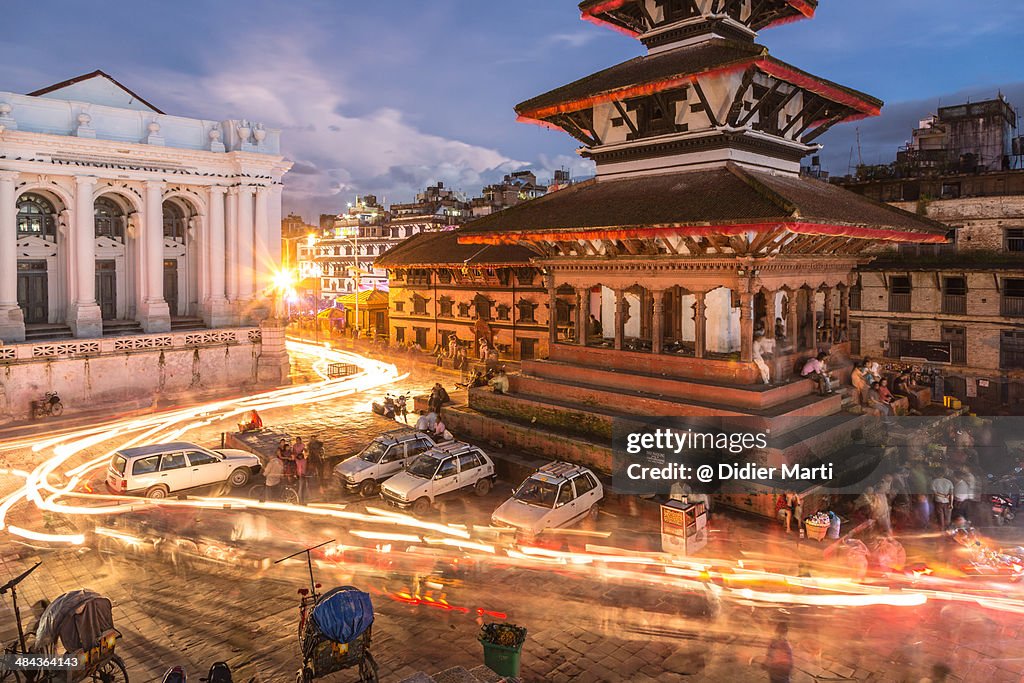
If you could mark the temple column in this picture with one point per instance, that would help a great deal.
(827, 324)
(217, 313)
(155, 315)
(231, 245)
(85, 319)
(770, 313)
(844, 308)
(263, 267)
(12, 319)
(811, 330)
(582, 306)
(746, 327)
(620, 317)
(700, 324)
(246, 243)
(552, 313)
(793, 320)
(658, 331)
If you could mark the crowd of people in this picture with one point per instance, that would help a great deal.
(295, 464)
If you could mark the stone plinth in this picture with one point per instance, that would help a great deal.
(273, 366)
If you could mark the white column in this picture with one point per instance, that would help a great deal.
(217, 313)
(274, 221)
(263, 267)
(86, 320)
(156, 316)
(12, 321)
(231, 246)
(246, 243)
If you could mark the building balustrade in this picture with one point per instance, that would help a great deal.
(1012, 306)
(899, 303)
(143, 342)
(954, 304)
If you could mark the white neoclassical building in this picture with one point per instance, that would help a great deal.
(116, 217)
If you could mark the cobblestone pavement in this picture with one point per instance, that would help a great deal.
(584, 624)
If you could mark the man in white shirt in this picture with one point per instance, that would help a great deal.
(426, 422)
(942, 497)
(763, 347)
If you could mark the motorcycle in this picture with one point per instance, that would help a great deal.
(49, 406)
(1002, 509)
(392, 407)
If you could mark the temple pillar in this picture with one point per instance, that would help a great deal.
(811, 327)
(844, 308)
(658, 326)
(827, 324)
(12, 320)
(746, 327)
(770, 313)
(86, 320)
(155, 315)
(700, 324)
(620, 317)
(552, 313)
(582, 306)
(217, 313)
(793, 320)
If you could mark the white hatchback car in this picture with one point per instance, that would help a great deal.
(557, 495)
(383, 458)
(159, 470)
(448, 468)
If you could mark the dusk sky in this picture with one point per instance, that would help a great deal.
(385, 97)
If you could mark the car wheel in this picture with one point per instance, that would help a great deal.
(483, 487)
(421, 506)
(239, 477)
(593, 513)
(368, 488)
(158, 492)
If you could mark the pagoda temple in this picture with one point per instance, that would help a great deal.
(698, 231)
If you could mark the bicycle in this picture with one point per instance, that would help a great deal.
(286, 492)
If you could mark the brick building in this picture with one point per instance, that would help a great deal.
(964, 298)
(439, 287)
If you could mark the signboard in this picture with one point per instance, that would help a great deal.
(925, 351)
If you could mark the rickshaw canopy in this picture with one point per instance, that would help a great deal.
(343, 614)
(79, 619)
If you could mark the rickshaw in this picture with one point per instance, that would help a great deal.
(334, 633)
(83, 624)
(334, 628)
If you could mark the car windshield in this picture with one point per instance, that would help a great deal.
(537, 492)
(374, 452)
(424, 466)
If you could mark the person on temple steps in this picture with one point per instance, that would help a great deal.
(763, 347)
(815, 369)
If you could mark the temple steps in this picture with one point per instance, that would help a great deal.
(746, 397)
(120, 328)
(46, 332)
(185, 324)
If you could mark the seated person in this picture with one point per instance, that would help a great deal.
(816, 370)
(426, 421)
(859, 378)
(253, 422)
(500, 382)
(875, 401)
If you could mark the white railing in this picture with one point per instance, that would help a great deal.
(142, 342)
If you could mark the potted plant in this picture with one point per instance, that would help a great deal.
(503, 646)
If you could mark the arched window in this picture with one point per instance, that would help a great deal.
(174, 222)
(36, 216)
(109, 219)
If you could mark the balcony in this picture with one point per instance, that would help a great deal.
(899, 303)
(1013, 306)
(954, 304)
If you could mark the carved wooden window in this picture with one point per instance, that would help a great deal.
(463, 310)
(419, 305)
(446, 306)
(526, 312)
(504, 276)
(482, 306)
(503, 311)
(444, 276)
(524, 276)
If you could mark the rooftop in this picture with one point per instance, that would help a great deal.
(443, 248)
(723, 200)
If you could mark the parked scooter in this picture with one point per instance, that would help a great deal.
(1003, 511)
(392, 407)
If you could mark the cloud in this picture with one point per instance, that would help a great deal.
(574, 39)
(377, 151)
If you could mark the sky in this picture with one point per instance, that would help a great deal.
(386, 97)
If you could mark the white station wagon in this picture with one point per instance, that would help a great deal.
(160, 470)
(557, 495)
(383, 458)
(448, 468)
